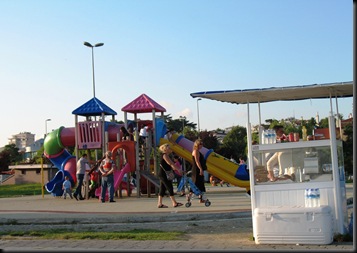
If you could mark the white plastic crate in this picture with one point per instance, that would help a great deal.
(293, 225)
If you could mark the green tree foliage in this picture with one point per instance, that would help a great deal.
(190, 134)
(235, 143)
(311, 125)
(179, 125)
(323, 123)
(209, 140)
(9, 156)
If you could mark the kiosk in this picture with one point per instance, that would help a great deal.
(284, 210)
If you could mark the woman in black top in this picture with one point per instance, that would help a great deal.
(198, 167)
(165, 184)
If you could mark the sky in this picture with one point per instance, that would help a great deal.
(167, 50)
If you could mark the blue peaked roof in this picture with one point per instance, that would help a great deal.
(94, 107)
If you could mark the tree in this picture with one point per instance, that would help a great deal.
(9, 156)
(209, 140)
(178, 125)
(235, 143)
(311, 125)
(323, 123)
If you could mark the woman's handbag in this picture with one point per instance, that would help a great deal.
(169, 174)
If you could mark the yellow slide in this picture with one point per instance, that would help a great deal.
(217, 165)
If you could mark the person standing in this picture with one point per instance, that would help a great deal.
(82, 165)
(198, 168)
(107, 168)
(166, 164)
(143, 134)
(67, 187)
(277, 159)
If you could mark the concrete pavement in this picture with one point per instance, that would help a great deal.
(225, 225)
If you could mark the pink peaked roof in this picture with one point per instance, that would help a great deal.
(142, 104)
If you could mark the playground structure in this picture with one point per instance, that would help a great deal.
(55, 149)
(98, 134)
(130, 156)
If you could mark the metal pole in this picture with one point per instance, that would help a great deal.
(198, 117)
(46, 126)
(91, 46)
(93, 72)
(183, 122)
(42, 178)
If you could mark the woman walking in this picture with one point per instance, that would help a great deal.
(166, 165)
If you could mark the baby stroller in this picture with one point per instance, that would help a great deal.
(186, 182)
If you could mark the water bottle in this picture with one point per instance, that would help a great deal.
(273, 136)
(263, 137)
(313, 198)
(299, 175)
(302, 175)
(270, 140)
(317, 191)
(276, 172)
(307, 200)
(266, 137)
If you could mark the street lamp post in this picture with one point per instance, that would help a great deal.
(91, 46)
(198, 118)
(183, 122)
(46, 126)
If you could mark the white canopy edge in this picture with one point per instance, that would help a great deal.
(288, 93)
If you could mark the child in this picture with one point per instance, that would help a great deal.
(94, 176)
(179, 173)
(67, 187)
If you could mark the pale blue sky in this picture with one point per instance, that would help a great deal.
(167, 50)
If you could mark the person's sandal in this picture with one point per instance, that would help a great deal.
(162, 206)
(178, 204)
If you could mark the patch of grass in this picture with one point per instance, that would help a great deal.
(135, 234)
(17, 190)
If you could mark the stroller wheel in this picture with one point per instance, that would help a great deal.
(188, 204)
(207, 203)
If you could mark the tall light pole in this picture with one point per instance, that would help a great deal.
(91, 46)
(183, 122)
(198, 117)
(46, 126)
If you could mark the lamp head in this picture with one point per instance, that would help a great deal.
(87, 44)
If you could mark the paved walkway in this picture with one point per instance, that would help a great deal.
(226, 225)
